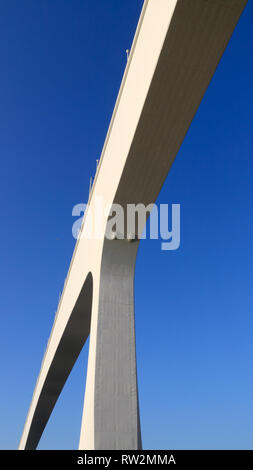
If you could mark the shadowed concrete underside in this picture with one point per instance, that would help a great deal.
(69, 348)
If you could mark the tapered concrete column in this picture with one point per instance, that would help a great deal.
(111, 409)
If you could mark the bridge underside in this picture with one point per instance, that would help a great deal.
(74, 337)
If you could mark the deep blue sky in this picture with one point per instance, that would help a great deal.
(61, 66)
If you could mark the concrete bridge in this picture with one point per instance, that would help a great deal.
(175, 52)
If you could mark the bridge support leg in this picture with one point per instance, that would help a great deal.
(111, 408)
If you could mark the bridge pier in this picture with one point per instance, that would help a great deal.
(111, 408)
